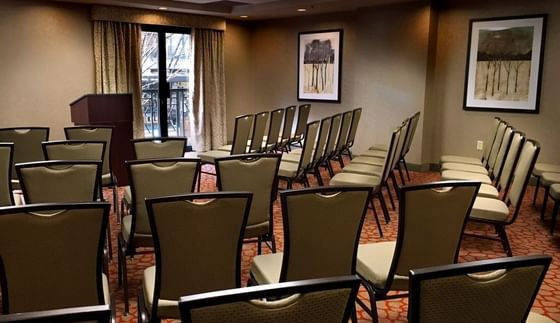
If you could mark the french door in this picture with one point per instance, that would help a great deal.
(166, 66)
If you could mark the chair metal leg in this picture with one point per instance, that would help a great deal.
(109, 240)
(395, 183)
(544, 201)
(259, 245)
(554, 215)
(501, 230)
(119, 262)
(406, 169)
(340, 161)
(330, 169)
(317, 172)
(536, 189)
(273, 243)
(399, 168)
(383, 207)
(390, 196)
(350, 154)
(376, 218)
(372, 310)
(124, 278)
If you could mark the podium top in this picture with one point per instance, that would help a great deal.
(101, 109)
(93, 95)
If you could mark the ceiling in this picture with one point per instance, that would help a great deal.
(245, 9)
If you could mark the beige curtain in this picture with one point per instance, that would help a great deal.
(117, 54)
(209, 107)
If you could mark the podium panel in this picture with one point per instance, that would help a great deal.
(109, 110)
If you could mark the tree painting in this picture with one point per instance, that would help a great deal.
(504, 64)
(318, 62)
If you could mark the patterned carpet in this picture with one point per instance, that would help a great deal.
(528, 235)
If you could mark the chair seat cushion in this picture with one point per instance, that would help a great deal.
(535, 317)
(127, 194)
(464, 168)
(489, 209)
(211, 155)
(541, 168)
(225, 148)
(291, 158)
(257, 229)
(288, 169)
(368, 160)
(350, 179)
(460, 159)
(447, 175)
(166, 308)
(373, 264)
(548, 179)
(374, 153)
(106, 289)
(488, 191)
(140, 240)
(363, 169)
(266, 268)
(555, 191)
(381, 147)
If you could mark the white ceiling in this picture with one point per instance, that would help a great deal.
(254, 9)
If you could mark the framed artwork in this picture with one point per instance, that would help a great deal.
(319, 65)
(504, 64)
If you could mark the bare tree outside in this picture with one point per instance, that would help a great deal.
(504, 64)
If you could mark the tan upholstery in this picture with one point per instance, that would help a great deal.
(333, 134)
(511, 159)
(159, 147)
(364, 169)
(465, 168)
(27, 144)
(555, 191)
(538, 318)
(286, 134)
(494, 169)
(344, 130)
(292, 171)
(303, 115)
(255, 174)
(213, 226)
(461, 159)
(548, 179)
(239, 146)
(52, 256)
(6, 154)
(74, 150)
(95, 134)
(500, 290)
(374, 153)
(292, 157)
(379, 147)
(489, 209)
(488, 191)
(59, 181)
(288, 169)
(319, 152)
(431, 222)
(259, 128)
(311, 250)
(369, 160)
(274, 129)
(211, 155)
(448, 175)
(545, 168)
(351, 179)
(523, 169)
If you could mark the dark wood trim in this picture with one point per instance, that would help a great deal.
(9, 145)
(99, 313)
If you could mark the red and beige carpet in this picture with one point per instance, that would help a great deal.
(528, 235)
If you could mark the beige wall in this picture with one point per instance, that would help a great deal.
(47, 61)
(385, 56)
(458, 130)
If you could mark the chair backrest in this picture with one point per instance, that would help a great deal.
(74, 150)
(310, 217)
(522, 174)
(493, 170)
(255, 173)
(504, 177)
(27, 143)
(319, 153)
(496, 144)
(432, 218)
(97, 313)
(399, 151)
(391, 153)
(6, 161)
(496, 290)
(303, 115)
(159, 147)
(289, 115)
(491, 138)
(259, 128)
(52, 256)
(274, 127)
(415, 118)
(60, 181)
(155, 178)
(333, 135)
(241, 133)
(308, 145)
(344, 129)
(97, 133)
(328, 300)
(207, 223)
(356, 114)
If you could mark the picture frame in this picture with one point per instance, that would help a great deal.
(320, 65)
(504, 64)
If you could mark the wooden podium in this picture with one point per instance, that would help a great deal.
(109, 110)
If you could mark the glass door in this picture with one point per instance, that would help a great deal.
(166, 65)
